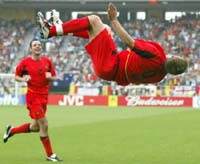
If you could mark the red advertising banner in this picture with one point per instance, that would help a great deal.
(96, 100)
(155, 101)
(70, 100)
(77, 100)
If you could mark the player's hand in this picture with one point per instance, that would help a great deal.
(48, 75)
(26, 78)
(112, 12)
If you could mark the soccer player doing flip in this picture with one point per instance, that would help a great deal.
(142, 61)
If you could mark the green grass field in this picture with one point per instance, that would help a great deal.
(103, 135)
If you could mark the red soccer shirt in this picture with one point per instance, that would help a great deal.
(137, 69)
(36, 69)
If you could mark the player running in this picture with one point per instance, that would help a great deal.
(37, 71)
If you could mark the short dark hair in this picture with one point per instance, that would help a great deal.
(176, 65)
(34, 39)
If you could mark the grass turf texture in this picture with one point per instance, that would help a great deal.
(103, 135)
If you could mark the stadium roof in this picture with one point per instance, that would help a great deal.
(88, 5)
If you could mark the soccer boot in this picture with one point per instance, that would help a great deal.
(44, 26)
(54, 158)
(55, 19)
(7, 134)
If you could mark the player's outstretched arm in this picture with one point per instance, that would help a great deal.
(117, 27)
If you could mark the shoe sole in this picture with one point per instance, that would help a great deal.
(54, 160)
(41, 22)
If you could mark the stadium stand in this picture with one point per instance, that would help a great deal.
(12, 38)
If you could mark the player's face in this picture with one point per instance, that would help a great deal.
(36, 47)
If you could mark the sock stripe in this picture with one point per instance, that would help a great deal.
(59, 29)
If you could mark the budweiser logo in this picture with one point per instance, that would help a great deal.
(151, 101)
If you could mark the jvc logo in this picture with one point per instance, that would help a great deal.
(71, 100)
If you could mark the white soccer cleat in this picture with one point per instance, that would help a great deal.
(7, 134)
(44, 26)
(55, 19)
(54, 158)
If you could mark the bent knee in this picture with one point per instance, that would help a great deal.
(34, 128)
(95, 21)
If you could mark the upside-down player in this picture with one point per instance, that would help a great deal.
(142, 61)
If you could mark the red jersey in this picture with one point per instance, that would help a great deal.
(143, 64)
(37, 70)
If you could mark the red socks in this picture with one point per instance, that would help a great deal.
(21, 129)
(47, 145)
(25, 129)
(72, 26)
(82, 34)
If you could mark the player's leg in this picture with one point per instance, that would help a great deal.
(44, 137)
(82, 34)
(26, 127)
(77, 27)
(33, 110)
(48, 29)
(96, 26)
(55, 20)
(34, 126)
(43, 128)
(86, 27)
(10, 130)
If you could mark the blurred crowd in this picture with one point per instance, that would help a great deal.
(179, 37)
(12, 35)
